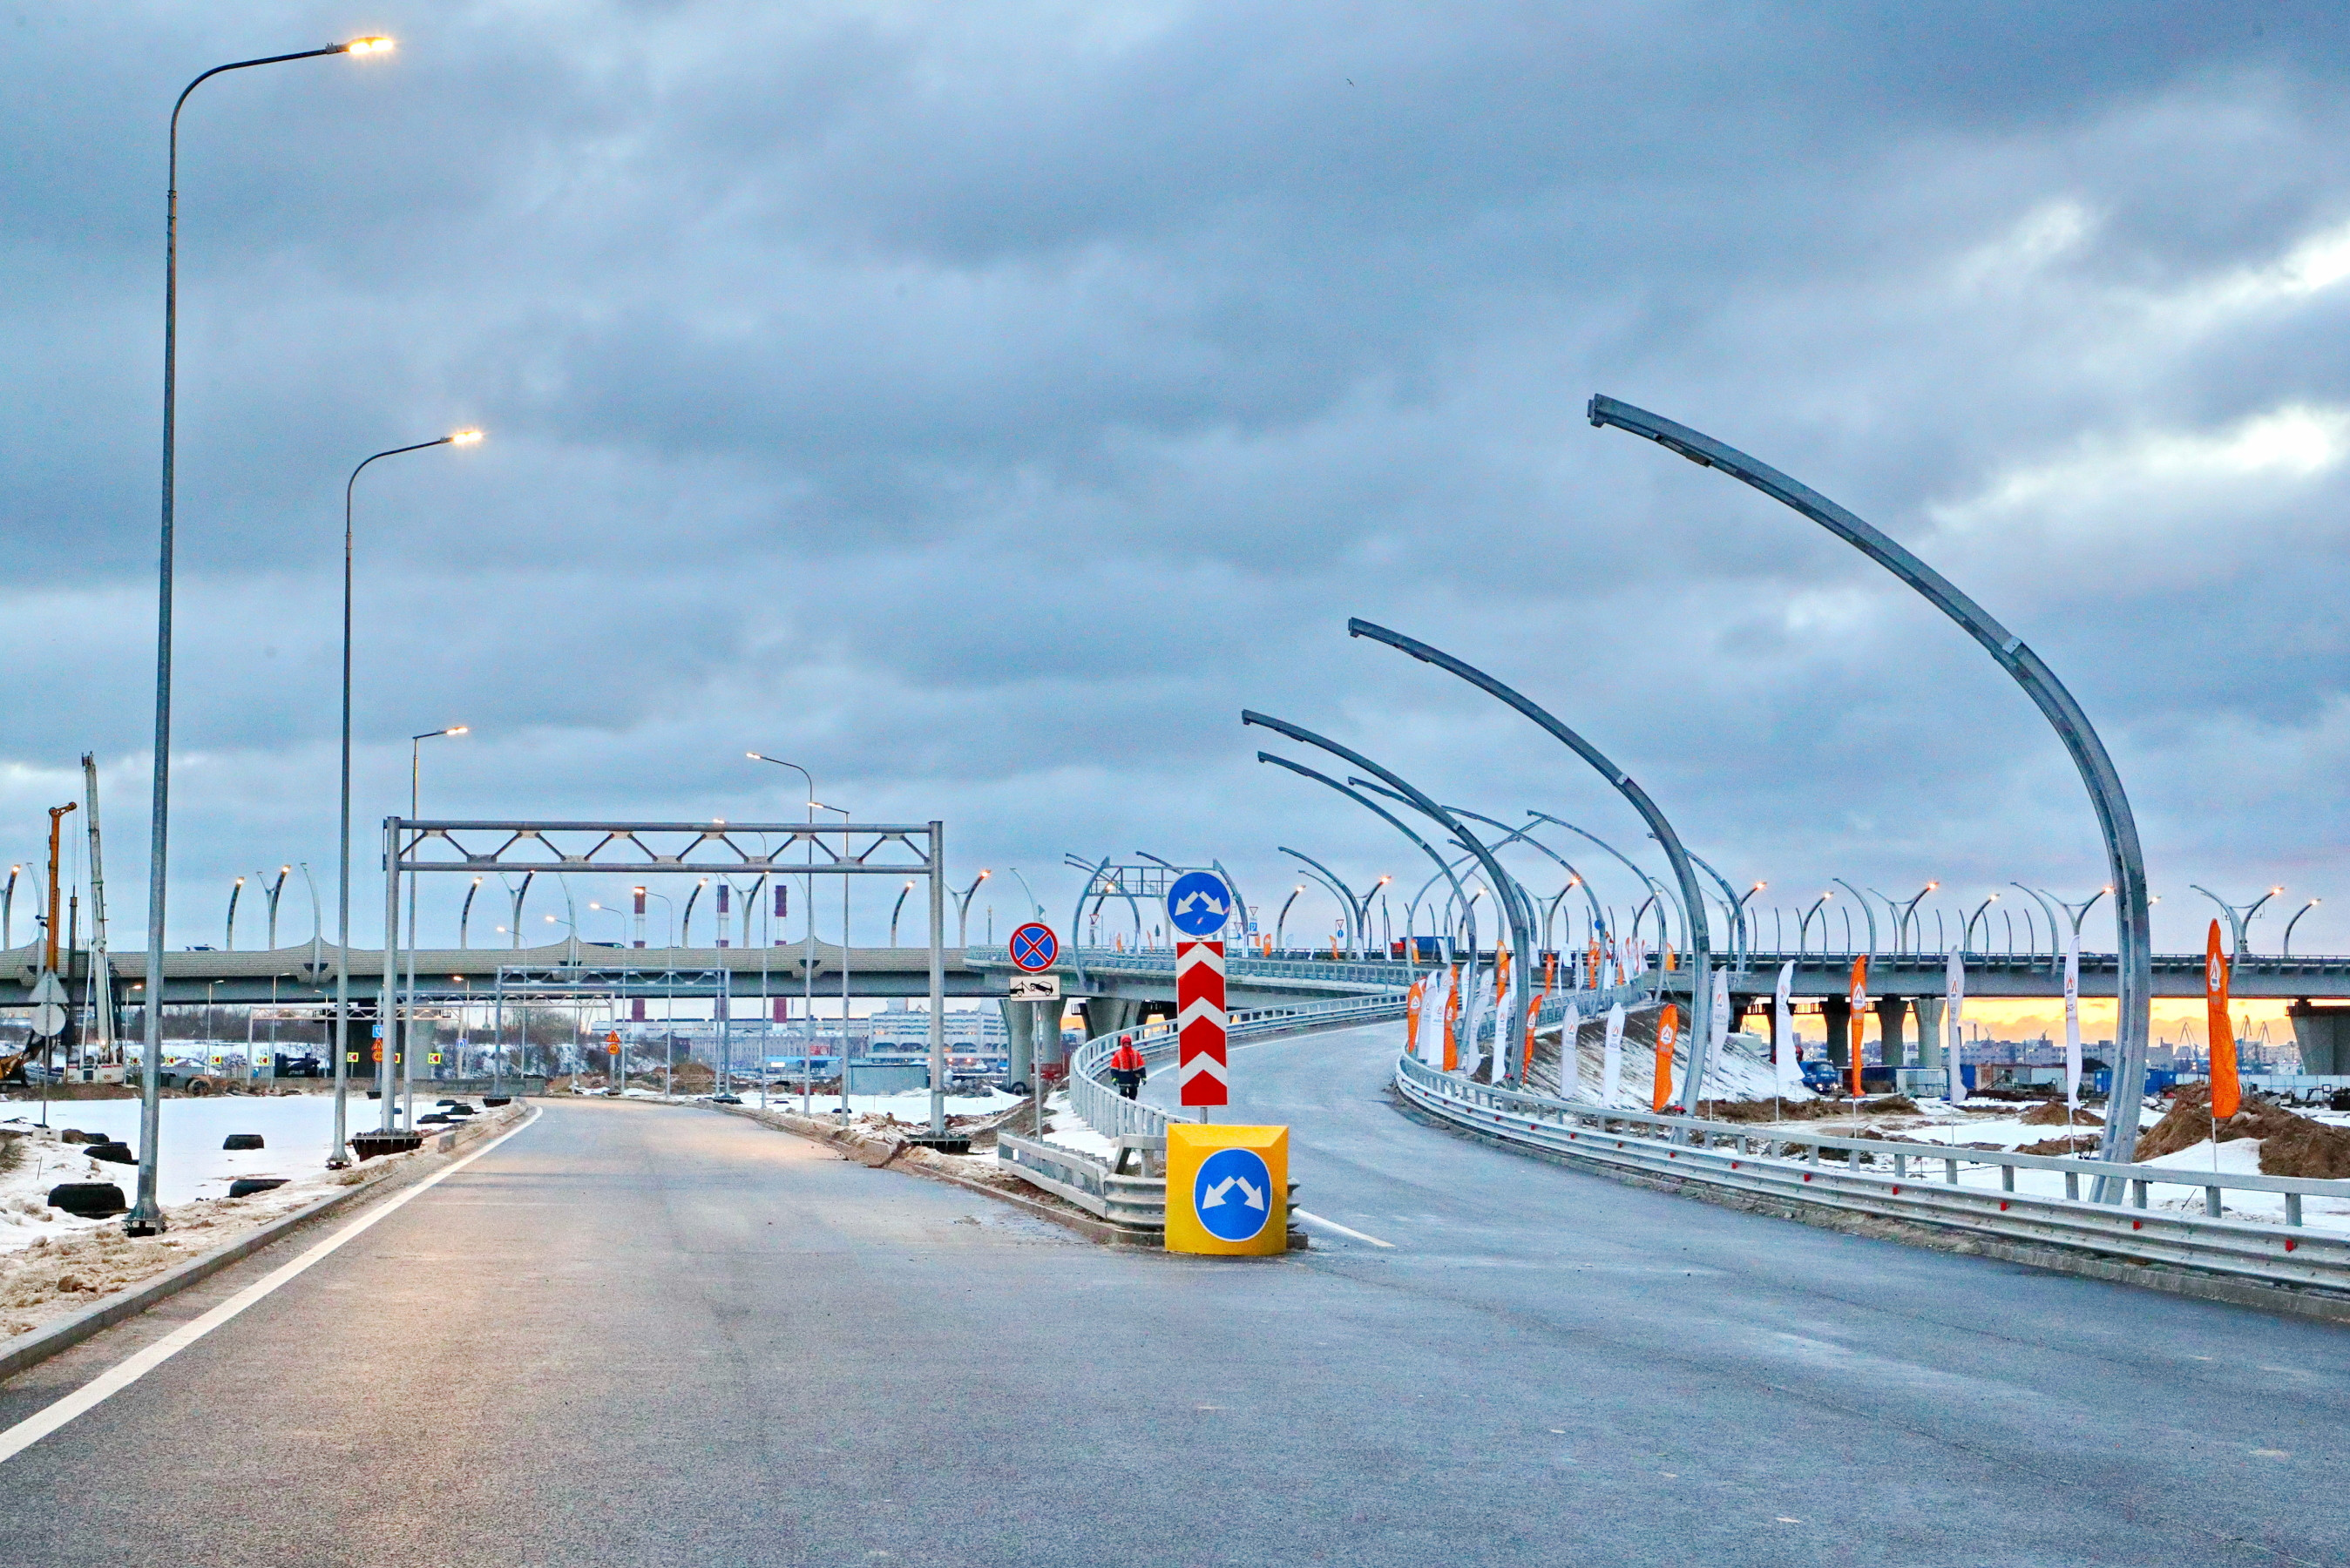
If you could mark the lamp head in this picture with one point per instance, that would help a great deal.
(368, 46)
(458, 730)
(463, 438)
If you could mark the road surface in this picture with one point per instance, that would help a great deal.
(648, 1335)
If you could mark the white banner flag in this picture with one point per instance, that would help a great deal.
(1611, 1057)
(2073, 1019)
(1784, 1068)
(1954, 1006)
(1718, 1035)
(1570, 1053)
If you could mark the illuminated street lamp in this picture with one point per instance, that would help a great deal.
(146, 1215)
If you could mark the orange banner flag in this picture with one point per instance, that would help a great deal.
(2227, 1094)
(1669, 1035)
(1452, 1019)
(1411, 1016)
(1859, 1015)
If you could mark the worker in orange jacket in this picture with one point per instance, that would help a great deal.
(1125, 1068)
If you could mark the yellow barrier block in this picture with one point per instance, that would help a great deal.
(1227, 1189)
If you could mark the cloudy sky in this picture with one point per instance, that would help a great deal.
(982, 403)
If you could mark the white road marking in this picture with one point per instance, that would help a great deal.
(36, 1427)
(1326, 1224)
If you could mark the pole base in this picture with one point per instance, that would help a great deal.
(142, 1224)
(338, 1163)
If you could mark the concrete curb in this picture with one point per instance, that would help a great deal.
(863, 1147)
(31, 1349)
(2169, 1280)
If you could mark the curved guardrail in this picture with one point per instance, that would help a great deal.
(1917, 1182)
(1112, 1115)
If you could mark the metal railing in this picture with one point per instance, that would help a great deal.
(1101, 1108)
(1920, 1182)
(1098, 1186)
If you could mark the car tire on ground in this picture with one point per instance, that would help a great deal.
(242, 1140)
(87, 1199)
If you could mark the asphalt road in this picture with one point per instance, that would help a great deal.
(643, 1335)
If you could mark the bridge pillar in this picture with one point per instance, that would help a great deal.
(1020, 1041)
(2323, 1035)
(1835, 1014)
(1048, 1026)
(1929, 1032)
(1108, 1014)
(1892, 1012)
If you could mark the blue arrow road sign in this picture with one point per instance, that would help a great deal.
(1232, 1194)
(1035, 947)
(1199, 903)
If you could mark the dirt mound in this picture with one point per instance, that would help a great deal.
(2051, 1114)
(692, 1077)
(1803, 1110)
(2062, 1146)
(2291, 1144)
(2305, 1148)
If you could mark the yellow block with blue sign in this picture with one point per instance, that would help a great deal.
(1227, 1189)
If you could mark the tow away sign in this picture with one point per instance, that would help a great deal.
(1033, 988)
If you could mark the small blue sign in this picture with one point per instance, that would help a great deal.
(1034, 948)
(1234, 1194)
(1199, 903)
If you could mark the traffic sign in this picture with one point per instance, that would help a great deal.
(48, 1019)
(1200, 1024)
(1230, 1193)
(49, 988)
(1034, 948)
(1033, 988)
(1227, 1188)
(1199, 903)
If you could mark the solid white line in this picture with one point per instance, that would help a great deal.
(1342, 1230)
(36, 1427)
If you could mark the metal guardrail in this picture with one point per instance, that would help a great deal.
(1101, 1108)
(1915, 1182)
(1098, 1186)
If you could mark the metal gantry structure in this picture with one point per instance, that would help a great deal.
(647, 849)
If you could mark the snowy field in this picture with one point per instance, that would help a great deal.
(192, 1164)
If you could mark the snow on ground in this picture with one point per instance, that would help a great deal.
(191, 1163)
(2003, 1127)
(912, 1106)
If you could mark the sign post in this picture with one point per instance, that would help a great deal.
(1199, 906)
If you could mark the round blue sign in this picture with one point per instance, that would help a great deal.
(1199, 903)
(1232, 1194)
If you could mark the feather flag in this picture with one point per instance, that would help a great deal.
(1611, 1057)
(2227, 1092)
(1954, 1006)
(1859, 1017)
(2073, 1019)
(1784, 1068)
(1452, 1021)
(1668, 1035)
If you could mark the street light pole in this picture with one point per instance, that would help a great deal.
(807, 955)
(2115, 822)
(146, 1215)
(407, 1048)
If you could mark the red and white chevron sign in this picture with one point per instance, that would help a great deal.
(1200, 1023)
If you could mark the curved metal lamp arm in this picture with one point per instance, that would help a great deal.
(1692, 902)
(2106, 797)
(1443, 867)
(1866, 909)
(1650, 883)
(1515, 1026)
(1516, 891)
